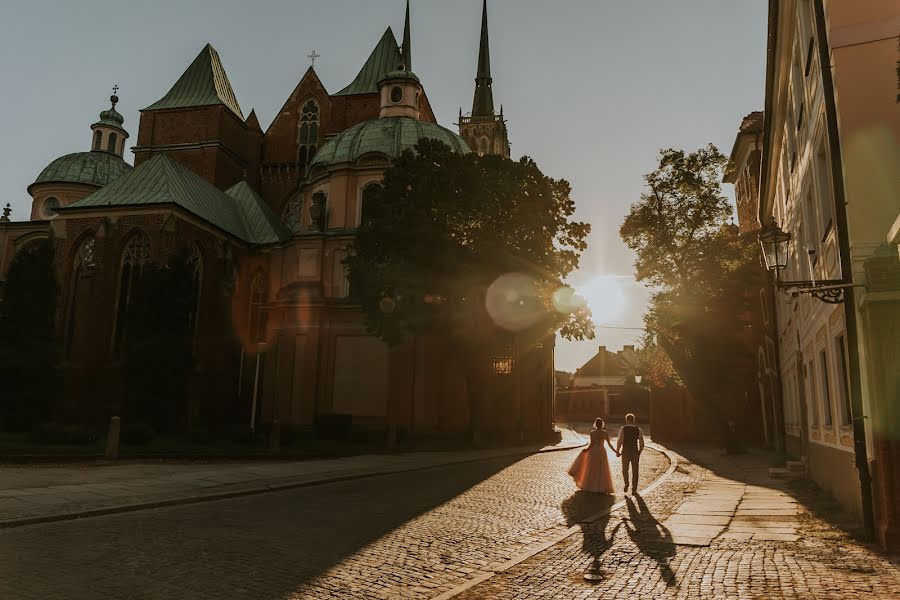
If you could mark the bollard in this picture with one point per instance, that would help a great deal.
(112, 438)
(275, 437)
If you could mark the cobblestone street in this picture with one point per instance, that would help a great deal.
(634, 555)
(411, 535)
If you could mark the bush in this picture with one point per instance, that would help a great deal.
(333, 426)
(138, 434)
(60, 433)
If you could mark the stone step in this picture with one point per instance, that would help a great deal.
(784, 473)
(796, 466)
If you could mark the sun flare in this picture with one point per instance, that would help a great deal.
(605, 295)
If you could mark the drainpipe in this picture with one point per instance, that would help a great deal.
(843, 235)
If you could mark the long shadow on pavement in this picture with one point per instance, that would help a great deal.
(267, 547)
(595, 541)
(650, 536)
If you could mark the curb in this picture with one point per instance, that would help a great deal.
(196, 499)
(481, 578)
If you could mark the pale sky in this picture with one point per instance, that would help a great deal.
(591, 88)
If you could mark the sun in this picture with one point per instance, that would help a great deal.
(605, 295)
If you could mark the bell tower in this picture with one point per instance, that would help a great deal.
(483, 129)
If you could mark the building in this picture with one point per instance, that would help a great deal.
(603, 387)
(829, 177)
(268, 217)
(746, 162)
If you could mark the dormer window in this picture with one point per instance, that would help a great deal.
(396, 94)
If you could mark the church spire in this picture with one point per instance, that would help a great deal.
(483, 105)
(407, 45)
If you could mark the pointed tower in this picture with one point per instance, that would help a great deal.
(484, 130)
(199, 123)
(407, 44)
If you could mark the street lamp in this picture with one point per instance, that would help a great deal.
(774, 243)
(503, 361)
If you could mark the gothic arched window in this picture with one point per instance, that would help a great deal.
(258, 297)
(135, 255)
(111, 144)
(195, 265)
(98, 137)
(308, 135)
(83, 266)
(484, 145)
(290, 214)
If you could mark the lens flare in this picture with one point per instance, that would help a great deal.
(513, 302)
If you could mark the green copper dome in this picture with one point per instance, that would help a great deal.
(111, 116)
(389, 136)
(399, 75)
(90, 168)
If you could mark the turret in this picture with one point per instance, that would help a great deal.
(109, 136)
(401, 89)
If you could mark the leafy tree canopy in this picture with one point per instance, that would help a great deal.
(29, 352)
(698, 264)
(468, 246)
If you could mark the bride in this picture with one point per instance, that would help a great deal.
(590, 470)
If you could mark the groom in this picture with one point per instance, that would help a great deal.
(630, 443)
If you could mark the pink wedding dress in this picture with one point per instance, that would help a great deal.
(590, 470)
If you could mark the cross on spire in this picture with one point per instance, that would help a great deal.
(115, 88)
(312, 56)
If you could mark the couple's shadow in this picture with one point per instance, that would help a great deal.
(651, 538)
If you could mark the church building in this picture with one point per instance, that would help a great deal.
(267, 218)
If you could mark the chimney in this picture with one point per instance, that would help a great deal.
(627, 348)
(602, 350)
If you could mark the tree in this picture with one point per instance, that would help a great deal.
(29, 352)
(473, 248)
(699, 266)
(158, 353)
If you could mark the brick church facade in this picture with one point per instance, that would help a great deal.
(267, 218)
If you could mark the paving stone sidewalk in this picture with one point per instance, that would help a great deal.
(717, 528)
(33, 494)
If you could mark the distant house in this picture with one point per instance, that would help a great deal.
(603, 387)
(563, 380)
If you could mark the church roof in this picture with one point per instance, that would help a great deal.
(204, 83)
(161, 180)
(386, 57)
(261, 223)
(389, 136)
(91, 168)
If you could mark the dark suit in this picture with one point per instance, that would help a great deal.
(629, 438)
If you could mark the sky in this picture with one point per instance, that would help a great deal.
(591, 89)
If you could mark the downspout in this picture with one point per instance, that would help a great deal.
(843, 235)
